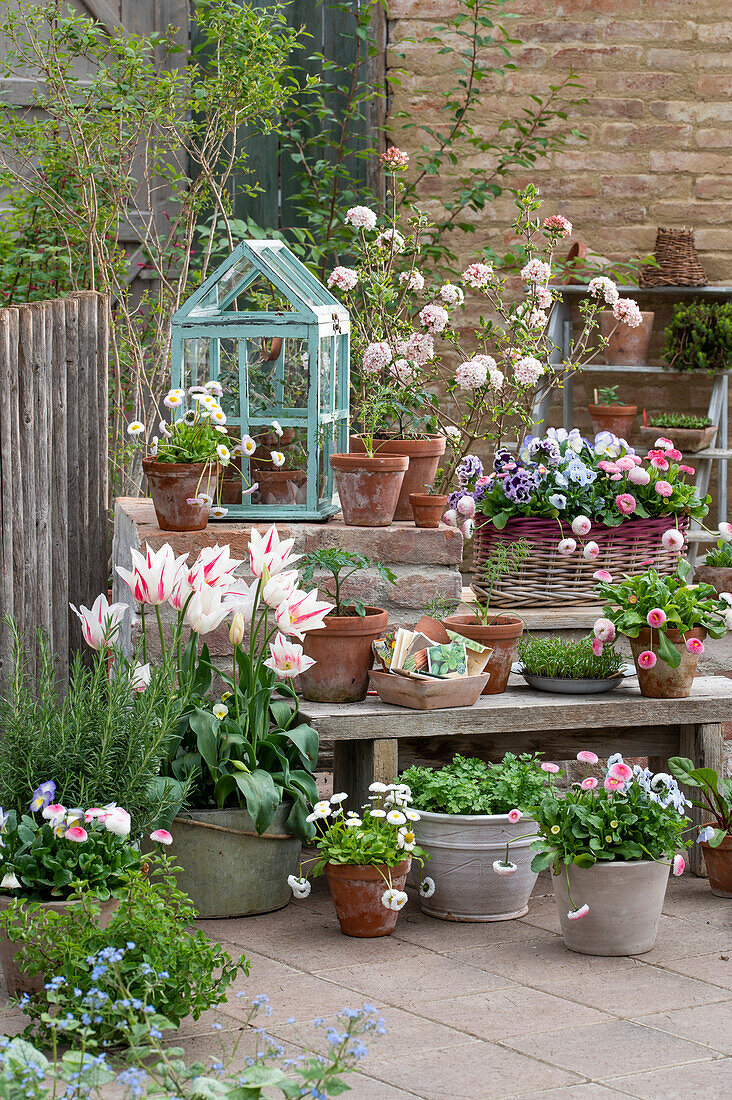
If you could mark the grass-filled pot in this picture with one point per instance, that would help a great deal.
(716, 569)
(564, 667)
(228, 869)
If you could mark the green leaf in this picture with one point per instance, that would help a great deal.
(668, 652)
(281, 712)
(262, 797)
(542, 860)
(682, 768)
(584, 859)
(307, 741)
(296, 823)
(205, 727)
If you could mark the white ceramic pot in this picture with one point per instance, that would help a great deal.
(462, 849)
(625, 901)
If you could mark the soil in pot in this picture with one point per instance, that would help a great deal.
(687, 440)
(662, 681)
(625, 901)
(19, 981)
(172, 485)
(719, 867)
(343, 656)
(357, 893)
(228, 869)
(501, 633)
(427, 509)
(424, 458)
(617, 419)
(368, 488)
(462, 849)
(627, 346)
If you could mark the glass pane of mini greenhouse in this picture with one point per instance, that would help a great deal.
(278, 342)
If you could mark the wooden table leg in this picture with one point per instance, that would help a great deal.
(356, 764)
(702, 743)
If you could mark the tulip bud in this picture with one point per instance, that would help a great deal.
(237, 629)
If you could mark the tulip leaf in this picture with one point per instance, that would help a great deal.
(262, 797)
(307, 741)
(296, 822)
(304, 781)
(281, 712)
(204, 725)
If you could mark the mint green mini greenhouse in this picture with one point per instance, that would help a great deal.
(277, 341)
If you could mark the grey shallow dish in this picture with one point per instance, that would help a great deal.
(571, 687)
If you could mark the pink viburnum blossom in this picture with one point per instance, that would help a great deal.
(472, 374)
(434, 318)
(527, 371)
(401, 370)
(360, 217)
(558, 225)
(420, 347)
(452, 295)
(605, 288)
(587, 756)
(672, 539)
(604, 629)
(663, 488)
(477, 276)
(597, 647)
(394, 160)
(602, 575)
(344, 278)
(390, 240)
(536, 271)
(589, 783)
(695, 645)
(414, 280)
(375, 357)
(627, 311)
(543, 297)
(647, 659)
(656, 617)
(626, 504)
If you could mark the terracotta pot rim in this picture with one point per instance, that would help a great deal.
(385, 464)
(725, 845)
(514, 628)
(374, 621)
(368, 871)
(422, 448)
(676, 636)
(612, 410)
(425, 499)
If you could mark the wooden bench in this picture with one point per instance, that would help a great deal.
(373, 740)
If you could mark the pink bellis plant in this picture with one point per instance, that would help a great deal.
(246, 746)
(630, 815)
(664, 614)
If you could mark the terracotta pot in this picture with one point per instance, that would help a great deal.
(424, 458)
(427, 509)
(628, 347)
(172, 484)
(617, 419)
(344, 657)
(662, 681)
(719, 867)
(369, 488)
(280, 486)
(687, 440)
(357, 893)
(719, 576)
(625, 901)
(19, 981)
(502, 634)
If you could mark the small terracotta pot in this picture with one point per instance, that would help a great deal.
(369, 488)
(172, 485)
(719, 867)
(357, 893)
(427, 509)
(687, 440)
(424, 458)
(662, 681)
(628, 347)
(19, 981)
(502, 635)
(719, 576)
(280, 486)
(343, 656)
(617, 419)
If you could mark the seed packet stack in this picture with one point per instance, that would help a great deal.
(430, 652)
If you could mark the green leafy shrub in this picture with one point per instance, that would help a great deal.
(678, 420)
(568, 660)
(721, 554)
(149, 948)
(699, 336)
(469, 786)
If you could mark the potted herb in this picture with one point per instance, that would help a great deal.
(51, 853)
(499, 631)
(609, 414)
(469, 811)
(666, 621)
(341, 652)
(699, 336)
(610, 845)
(369, 483)
(184, 465)
(366, 857)
(585, 667)
(715, 836)
(686, 433)
(627, 344)
(428, 507)
(716, 569)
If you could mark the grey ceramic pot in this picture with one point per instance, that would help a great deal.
(230, 871)
(625, 901)
(462, 849)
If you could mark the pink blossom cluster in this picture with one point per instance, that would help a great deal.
(452, 295)
(390, 239)
(401, 370)
(414, 280)
(420, 347)
(375, 357)
(558, 225)
(527, 371)
(434, 318)
(360, 217)
(627, 311)
(543, 297)
(472, 374)
(344, 278)
(394, 160)
(604, 288)
(536, 271)
(477, 276)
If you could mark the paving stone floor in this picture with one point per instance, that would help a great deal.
(495, 1011)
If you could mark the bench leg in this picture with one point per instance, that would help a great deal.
(356, 764)
(702, 743)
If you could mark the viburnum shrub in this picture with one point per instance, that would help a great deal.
(661, 604)
(380, 836)
(470, 786)
(630, 815)
(399, 322)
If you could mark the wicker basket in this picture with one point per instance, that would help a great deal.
(549, 579)
(678, 262)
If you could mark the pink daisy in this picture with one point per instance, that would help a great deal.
(678, 865)
(589, 783)
(626, 504)
(596, 647)
(663, 488)
(602, 575)
(647, 658)
(656, 617)
(694, 645)
(587, 756)
(578, 914)
(547, 766)
(621, 770)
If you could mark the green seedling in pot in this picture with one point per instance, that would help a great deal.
(341, 564)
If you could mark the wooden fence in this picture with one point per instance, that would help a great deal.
(53, 464)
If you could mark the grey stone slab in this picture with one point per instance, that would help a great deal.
(323, 946)
(424, 976)
(679, 938)
(701, 1081)
(715, 968)
(590, 1091)
(606, 1049)
(635, 990)
(710, 1027)
(540, 961)
(443, 936)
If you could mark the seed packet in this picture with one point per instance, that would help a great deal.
(448, 661)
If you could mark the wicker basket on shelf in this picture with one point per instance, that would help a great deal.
(678, 261)
(549, 579)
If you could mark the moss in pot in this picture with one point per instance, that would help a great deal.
(570, 668)
(342, 650)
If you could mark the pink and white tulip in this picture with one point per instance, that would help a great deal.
(140, 677)
(206, 609)
(287, 658)
(301, 612)
(100, 622)
(154, 575)
(269, 556)
(214, 567)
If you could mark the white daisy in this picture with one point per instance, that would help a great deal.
(393, 899)
(395, 817)
(135, 428)
(427, 887)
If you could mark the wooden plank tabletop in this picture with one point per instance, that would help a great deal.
(522, 709)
